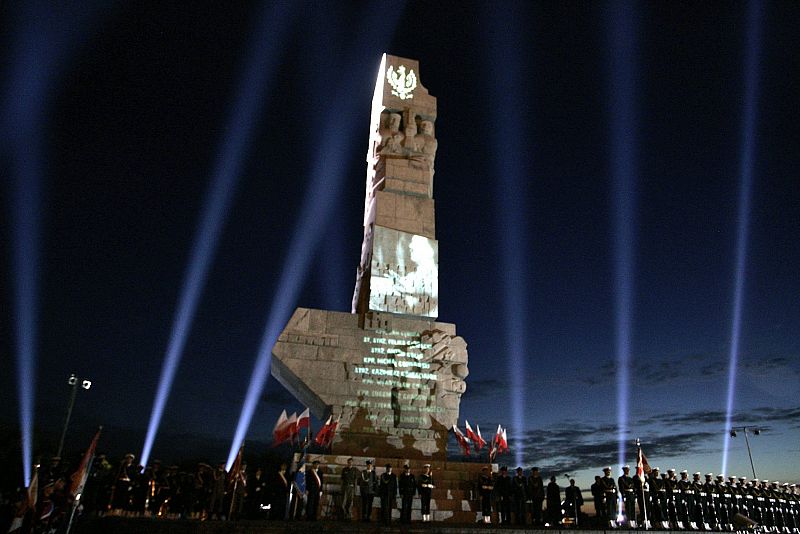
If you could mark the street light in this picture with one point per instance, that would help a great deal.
(745, 429)
(73, 381)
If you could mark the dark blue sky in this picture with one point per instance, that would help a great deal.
(135, 110)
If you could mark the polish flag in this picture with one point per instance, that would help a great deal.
(480, 438)
(463, 441)
(475, 438)
(303, 421)
(280, 432)
(80, 476)
(292, 430)
(642, 467)
(504, 442)
(327, 432)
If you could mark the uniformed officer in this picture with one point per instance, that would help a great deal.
(610, 491)
(519, 493)
(685, 500)
(627, 490)
(408, 488)
(349, 479)
(536, 495)
(708, 500)
(673, 495)
(485, 488)
(368, 486)
(722, 499)
(502, 490)
(659, 497)
(425, 490)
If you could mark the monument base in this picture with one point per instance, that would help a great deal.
(392, 382)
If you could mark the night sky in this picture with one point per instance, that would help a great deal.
(131, 106)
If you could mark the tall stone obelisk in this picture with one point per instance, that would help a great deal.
(389, 371)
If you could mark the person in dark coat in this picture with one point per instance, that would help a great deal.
(599, 497)
(536, 495)
(368, 486)
(408, 488)
(553, 503)
(519, 495)
(502, 491)
(313, 491)
(388, 492)
(279, 497)
(573, 500)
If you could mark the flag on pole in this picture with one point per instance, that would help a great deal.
(82, 474)
(475, 438)
(642, 467)
(503, 446)
(292, 426)
(500, 440)
(303, 420)
(480, 443)
(327, 432)
(463, 441)
(323, 432)
(281, 432)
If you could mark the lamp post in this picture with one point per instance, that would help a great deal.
(755, 432)
(74, 382)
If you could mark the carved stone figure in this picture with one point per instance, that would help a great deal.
(425, 143)
(391, 137)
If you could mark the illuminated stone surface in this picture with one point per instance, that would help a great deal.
(389, 370)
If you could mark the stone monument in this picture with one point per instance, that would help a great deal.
(388, 371)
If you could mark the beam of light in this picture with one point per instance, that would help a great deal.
(748, 140)
(509, 154)
(260, 68)
(322, 195)
(43, 40)
(622, 51)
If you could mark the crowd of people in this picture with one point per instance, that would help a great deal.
(662, 501)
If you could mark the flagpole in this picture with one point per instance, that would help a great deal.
(641, 481)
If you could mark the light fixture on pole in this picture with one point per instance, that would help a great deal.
(745, 430)
(74, 382)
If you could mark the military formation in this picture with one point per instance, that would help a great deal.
(660, 501)
(664, 500)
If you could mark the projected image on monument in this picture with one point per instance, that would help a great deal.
(404, 273)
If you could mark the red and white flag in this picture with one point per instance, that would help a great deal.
(281, 432)
(327, 432)
(480, 442)
(82, 474)
(500, 440)
(476, 438)
(292, 426)
(504, 442)
(463, 441)
(642, 467)
(303, 420)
